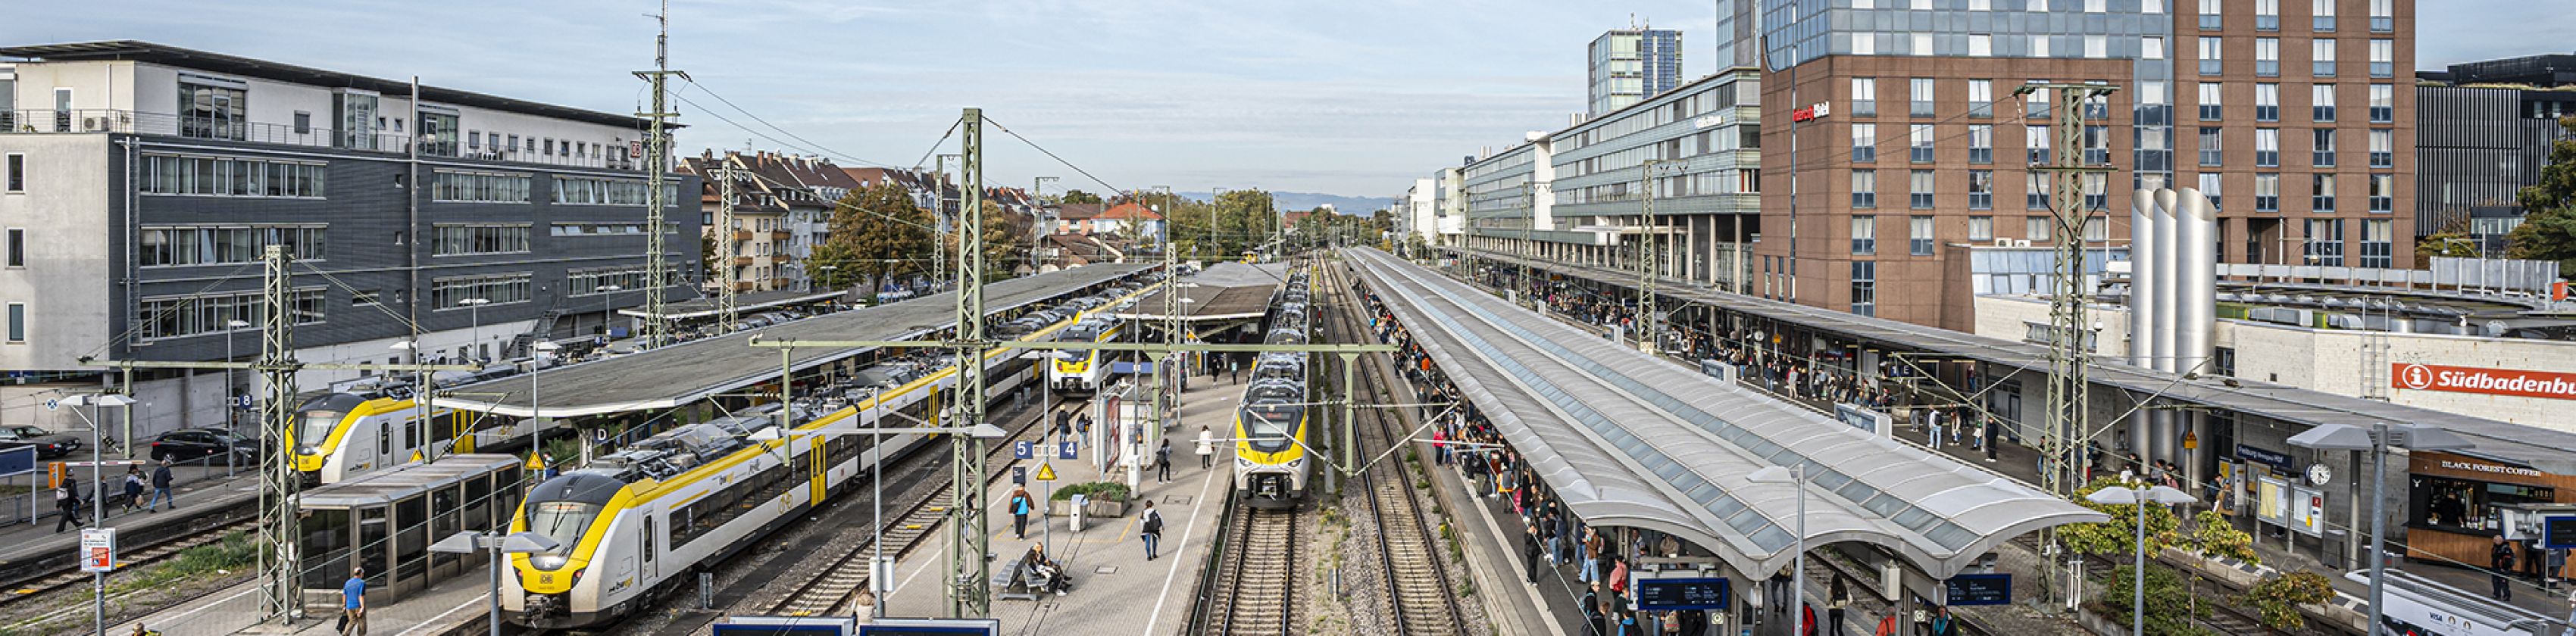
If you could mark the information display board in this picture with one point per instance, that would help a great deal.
(1979, 589)
(1699, 593)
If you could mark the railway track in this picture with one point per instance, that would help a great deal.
(1257, 587)
(1419, 596)
(2224, 617)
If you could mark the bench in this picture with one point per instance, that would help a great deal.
(1016, 582)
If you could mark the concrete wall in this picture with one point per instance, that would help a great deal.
(65, 213)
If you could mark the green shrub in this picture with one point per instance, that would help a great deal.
(2278, 598)
(1099, 490)
(2169, 605)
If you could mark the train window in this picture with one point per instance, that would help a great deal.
(478, 510)
(648, 539)
(411, 540)
(443, 520)
(326, 545)
(384, 443)
(371, 548)
(411, 433)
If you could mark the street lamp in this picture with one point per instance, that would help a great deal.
(879, 583)
(2124, 496)
(474, 311)
(229, 384)
(607, 313)
(2376, 440)
(98, 507)
(536, 361)
(500, 545)
(1797, 477)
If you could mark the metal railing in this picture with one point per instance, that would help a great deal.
(85, 121)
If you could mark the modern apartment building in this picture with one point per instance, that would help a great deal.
(1628, 65)
(2486, 132)
(2288, 113)
(143, 182)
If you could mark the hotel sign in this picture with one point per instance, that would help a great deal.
(2518, 383)
(1812, 113)
(1706, 121)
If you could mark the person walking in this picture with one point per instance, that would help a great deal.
(133, 495)
(1207, 447)
(1592, 609)
(1163, 462)
(1020, 505)
(1152, 530)
(161, 482)
(2500, 558)
(67, 505)
(1591, 556)
(353, 604)
(1837, 599)
(1530, 552)
(1941, 623)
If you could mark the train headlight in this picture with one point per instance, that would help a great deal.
(303, 450)
(1245, 464)
(547, 561)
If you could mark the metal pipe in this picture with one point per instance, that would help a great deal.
(2195, 307)
(2142, 303)
(2162, 439)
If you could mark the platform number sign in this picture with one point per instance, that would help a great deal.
(1068, 450)
(1024, 449)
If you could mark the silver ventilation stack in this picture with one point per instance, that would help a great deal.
(2173, 307)
(2142, 302)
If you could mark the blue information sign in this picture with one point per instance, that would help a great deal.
(1019, 474)
(1024, 450)
(1979, 589)
(2556, 533)
(1657, 595)
(1068, 450)
(17, 461)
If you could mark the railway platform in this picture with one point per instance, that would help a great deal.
(455, 606)
(1115, 589)
(32, 545)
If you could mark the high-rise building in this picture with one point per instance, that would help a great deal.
(1873, 98)
(1629, 65)
(2487, 128)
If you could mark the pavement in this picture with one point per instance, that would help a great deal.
(1115, 589)
(454, 605)
(23, 540)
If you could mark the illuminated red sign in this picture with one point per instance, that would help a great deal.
(2431, 377)
(1812, 113)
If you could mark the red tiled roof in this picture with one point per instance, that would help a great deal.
(1130, 212)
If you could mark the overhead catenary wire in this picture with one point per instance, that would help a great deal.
(815, 148)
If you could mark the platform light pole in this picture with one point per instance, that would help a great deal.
(1796, 477)
(501, 546)
(2139, 499)
(98, 508)
(230, 383)
(2376, 440)
(474, 318)
(607, 309)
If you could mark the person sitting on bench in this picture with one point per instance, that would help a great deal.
(1046, 575)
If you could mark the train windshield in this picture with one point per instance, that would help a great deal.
(317, 427)
(1269, 425)
(562, 521)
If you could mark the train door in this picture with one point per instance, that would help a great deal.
(411, 440)
(819, 463)
(649, 573)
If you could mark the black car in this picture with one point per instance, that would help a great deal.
(47, 443)
(190, 444)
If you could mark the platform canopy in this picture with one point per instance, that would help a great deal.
(1223, 292)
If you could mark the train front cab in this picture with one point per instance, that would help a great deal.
(385, 521)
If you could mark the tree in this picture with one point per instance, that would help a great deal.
(2278, 598)
(707, 260)
(2170, 607)
(2211, 536)
(2548, 230)
(875, 232)
(1078, 196)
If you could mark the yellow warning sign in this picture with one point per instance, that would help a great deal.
(1046, 472)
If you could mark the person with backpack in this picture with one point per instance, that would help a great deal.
(67, 505)
(1592, 610)
(133, 497)
(1152, 531)
(1163, 462)
(161, 482)
(1020, 506)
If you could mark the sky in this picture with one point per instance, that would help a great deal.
(1349, 97)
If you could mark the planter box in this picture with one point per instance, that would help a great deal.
(1095, 509)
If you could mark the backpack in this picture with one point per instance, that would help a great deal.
(1153, 523)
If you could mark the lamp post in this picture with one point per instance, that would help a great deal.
(1796, 476)
(607, 312)
(878, 583)
(97, 511)
(500, 545)
(2124, 496)
(536, 362)
(229, 384)
(2376, 440)
(474, 312)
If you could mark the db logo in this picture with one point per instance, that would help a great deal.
(2415, 376)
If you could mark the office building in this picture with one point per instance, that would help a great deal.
(2486, 132)
(144, 181)
(1628, 65)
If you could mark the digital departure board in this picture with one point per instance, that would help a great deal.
(1979, 589)
(1681, 594)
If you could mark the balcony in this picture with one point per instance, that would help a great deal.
(741, 235)
(85, 121)
(742, 260)
(781, 235)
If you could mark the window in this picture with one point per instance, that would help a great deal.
(2383, 16)
(2267, 15)
(2325, 242)
(2209, 187)
(596, 281)
(2383, 104)
(2097, 190)
(2036, 229)
(2210, 100)
(2378, 243)
(1864, 188)
(1919, 186)
(2321, 52)
(2212, 58)
(2097, 145)
(2039, 46)
(1981, 45)
(597, 191)
(1922, 44)
(1864, 96)
(550, 146)
(1981, 5)
(229, 177)
(2383, 193)
(17, 322)
(1920, 91)
(2097, 229)
(2325, 148)
(1981, 144)
(1981, 98)
(2383, 144)
(2212, 147)
(2096, 6)
(2035, 138)
(513, 146)
(2321, 193)
(2267, 102)
(1981, 228)
(1864, 288)
(2267, 193)
(17, 173)
(2321, 15)
(2036, 193)
(2097, 46)
(213, 108)
(2209, 14)
(2151, 6)
(2152, 48)
(2267, 57)
(1918, 235)
(2383, 58)
(1864, 143)
(2267, 147)
(303, 122)
(461, 239)
(496, 289)
(177, 316)
(2321, 100)
(1981, 189)
(481, 187)
(1865, 44)
(2035, 103)
(1864, 234)
(474, 140)
(17, 247)
(1920, 148)
(179, 246)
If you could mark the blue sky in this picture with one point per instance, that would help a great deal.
(1352, 97)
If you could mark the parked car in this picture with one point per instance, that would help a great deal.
(190, 444)
(47, 443)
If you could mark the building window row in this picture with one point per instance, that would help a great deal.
(182, 316)
(601, 191)
(230, 177)
(463, 239)
(595, 281)
(479, 187)
(607, 229)
(184, 246)
(494, 289)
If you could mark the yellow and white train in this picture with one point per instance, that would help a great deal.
(343, 435)
(1270, 430)
(1083, 371)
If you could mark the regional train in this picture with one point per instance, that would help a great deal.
(642, 519)
(1081, 371)
(1270, 430)
(359, 428)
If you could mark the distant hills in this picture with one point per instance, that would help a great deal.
(1308, 201)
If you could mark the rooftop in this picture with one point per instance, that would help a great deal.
(140, 51)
